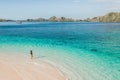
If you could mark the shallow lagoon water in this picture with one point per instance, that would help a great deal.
(82, 51)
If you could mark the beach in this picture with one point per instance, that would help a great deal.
(72, 50)
(18, 67)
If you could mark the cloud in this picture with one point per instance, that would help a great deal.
(104, 5)
(105, 1)
(117, 1)
(107, 4)
(76, 1)
(114, 8)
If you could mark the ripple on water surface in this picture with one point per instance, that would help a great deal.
(82, 51)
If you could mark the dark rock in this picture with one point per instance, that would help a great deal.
(94, 50)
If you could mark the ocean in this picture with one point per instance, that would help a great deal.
(81, 50)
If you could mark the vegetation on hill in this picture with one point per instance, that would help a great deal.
(53, 19)
(61, 19)
(110, 17)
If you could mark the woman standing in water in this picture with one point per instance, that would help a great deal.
(31, 54)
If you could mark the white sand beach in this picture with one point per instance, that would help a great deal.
(21, 68)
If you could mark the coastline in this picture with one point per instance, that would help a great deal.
(18, 67)
(75, 49)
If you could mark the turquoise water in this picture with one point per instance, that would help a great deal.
(82, 51)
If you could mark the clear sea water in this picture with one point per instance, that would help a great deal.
(81, 50)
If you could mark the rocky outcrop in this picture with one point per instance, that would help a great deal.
(61, 19)
(54, 19)
(110, 17)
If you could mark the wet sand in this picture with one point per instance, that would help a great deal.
(21, 68)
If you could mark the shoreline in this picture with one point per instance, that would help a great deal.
(18, 67)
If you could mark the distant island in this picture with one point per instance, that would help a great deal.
(110, 17)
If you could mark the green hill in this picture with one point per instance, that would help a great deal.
(110, 17)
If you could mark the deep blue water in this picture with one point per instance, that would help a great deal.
(75, 44)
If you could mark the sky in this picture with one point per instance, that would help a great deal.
(78, 9)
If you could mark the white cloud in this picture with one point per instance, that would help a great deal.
(76, 1)
(105, 1)
(107, 4)
(117, 1)
(113, 8)
(104, 5)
